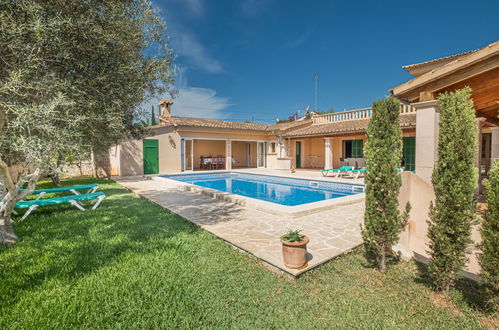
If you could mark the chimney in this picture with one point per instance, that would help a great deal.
(166, 108)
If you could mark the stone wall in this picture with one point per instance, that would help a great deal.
(83, 169)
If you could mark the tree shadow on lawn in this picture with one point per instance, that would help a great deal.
(469, 291)
(64, 243)
(47, 183)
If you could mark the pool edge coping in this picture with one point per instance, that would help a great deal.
(265, 206)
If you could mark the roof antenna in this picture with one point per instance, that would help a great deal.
(316, 78)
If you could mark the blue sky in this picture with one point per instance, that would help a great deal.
(243, 59)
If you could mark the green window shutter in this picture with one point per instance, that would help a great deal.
(357, 151)
(409, 153)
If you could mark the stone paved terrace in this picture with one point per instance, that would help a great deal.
(300, 173)
(331, 232)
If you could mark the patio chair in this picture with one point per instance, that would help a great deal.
(207, 163)
(221, 162)
(352, 162)
(73, 200)
(361, 162)
(337, 171)
(91, 188)
(214, 163)
(356, 173)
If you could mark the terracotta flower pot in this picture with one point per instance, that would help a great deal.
(295, 254)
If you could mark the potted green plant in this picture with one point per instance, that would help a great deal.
(294, 249)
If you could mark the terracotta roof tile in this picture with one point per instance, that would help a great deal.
(406, 120)
(441, 59)
(470, 58)
(211, 123)
(286, 129)
(290, 125)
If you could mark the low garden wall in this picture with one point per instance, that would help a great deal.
(85, 168)
(413, 240)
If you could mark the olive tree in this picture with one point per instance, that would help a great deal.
(29, 135)
(72, 77)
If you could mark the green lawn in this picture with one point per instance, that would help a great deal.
(131, 264)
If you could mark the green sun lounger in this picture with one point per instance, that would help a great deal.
(73, 200)
(356, 173)
(337, 171)
(91, 188)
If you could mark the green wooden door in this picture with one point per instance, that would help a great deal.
(409, 154)
(298, 154)
(151, 157)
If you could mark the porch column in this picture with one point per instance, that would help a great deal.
(228, 154)
(494, 145)
(328, 153)
(478, 159)
(427, 121)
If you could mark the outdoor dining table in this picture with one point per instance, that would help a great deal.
(212, 162)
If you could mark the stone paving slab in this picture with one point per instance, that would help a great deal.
(332, 232)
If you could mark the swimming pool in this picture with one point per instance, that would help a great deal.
(275, 189)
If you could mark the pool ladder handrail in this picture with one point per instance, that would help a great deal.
(358, 188)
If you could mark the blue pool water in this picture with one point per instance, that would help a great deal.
(284, 191)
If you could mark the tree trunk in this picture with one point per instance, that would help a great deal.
(56, 180)
(80, 167)
(10, 195)
(7, 235)
(7, 204)
(382, 259)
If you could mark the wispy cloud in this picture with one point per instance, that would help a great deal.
(199, 102)
(186, 44)
(195, 6)
(190, 7)
(181, 15)
(303, 36)
(253, 8)
(298, 41)
(190, 102)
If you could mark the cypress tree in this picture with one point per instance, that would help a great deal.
(153, 117)
(383, 152)
(489, 258)
(454, 181)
